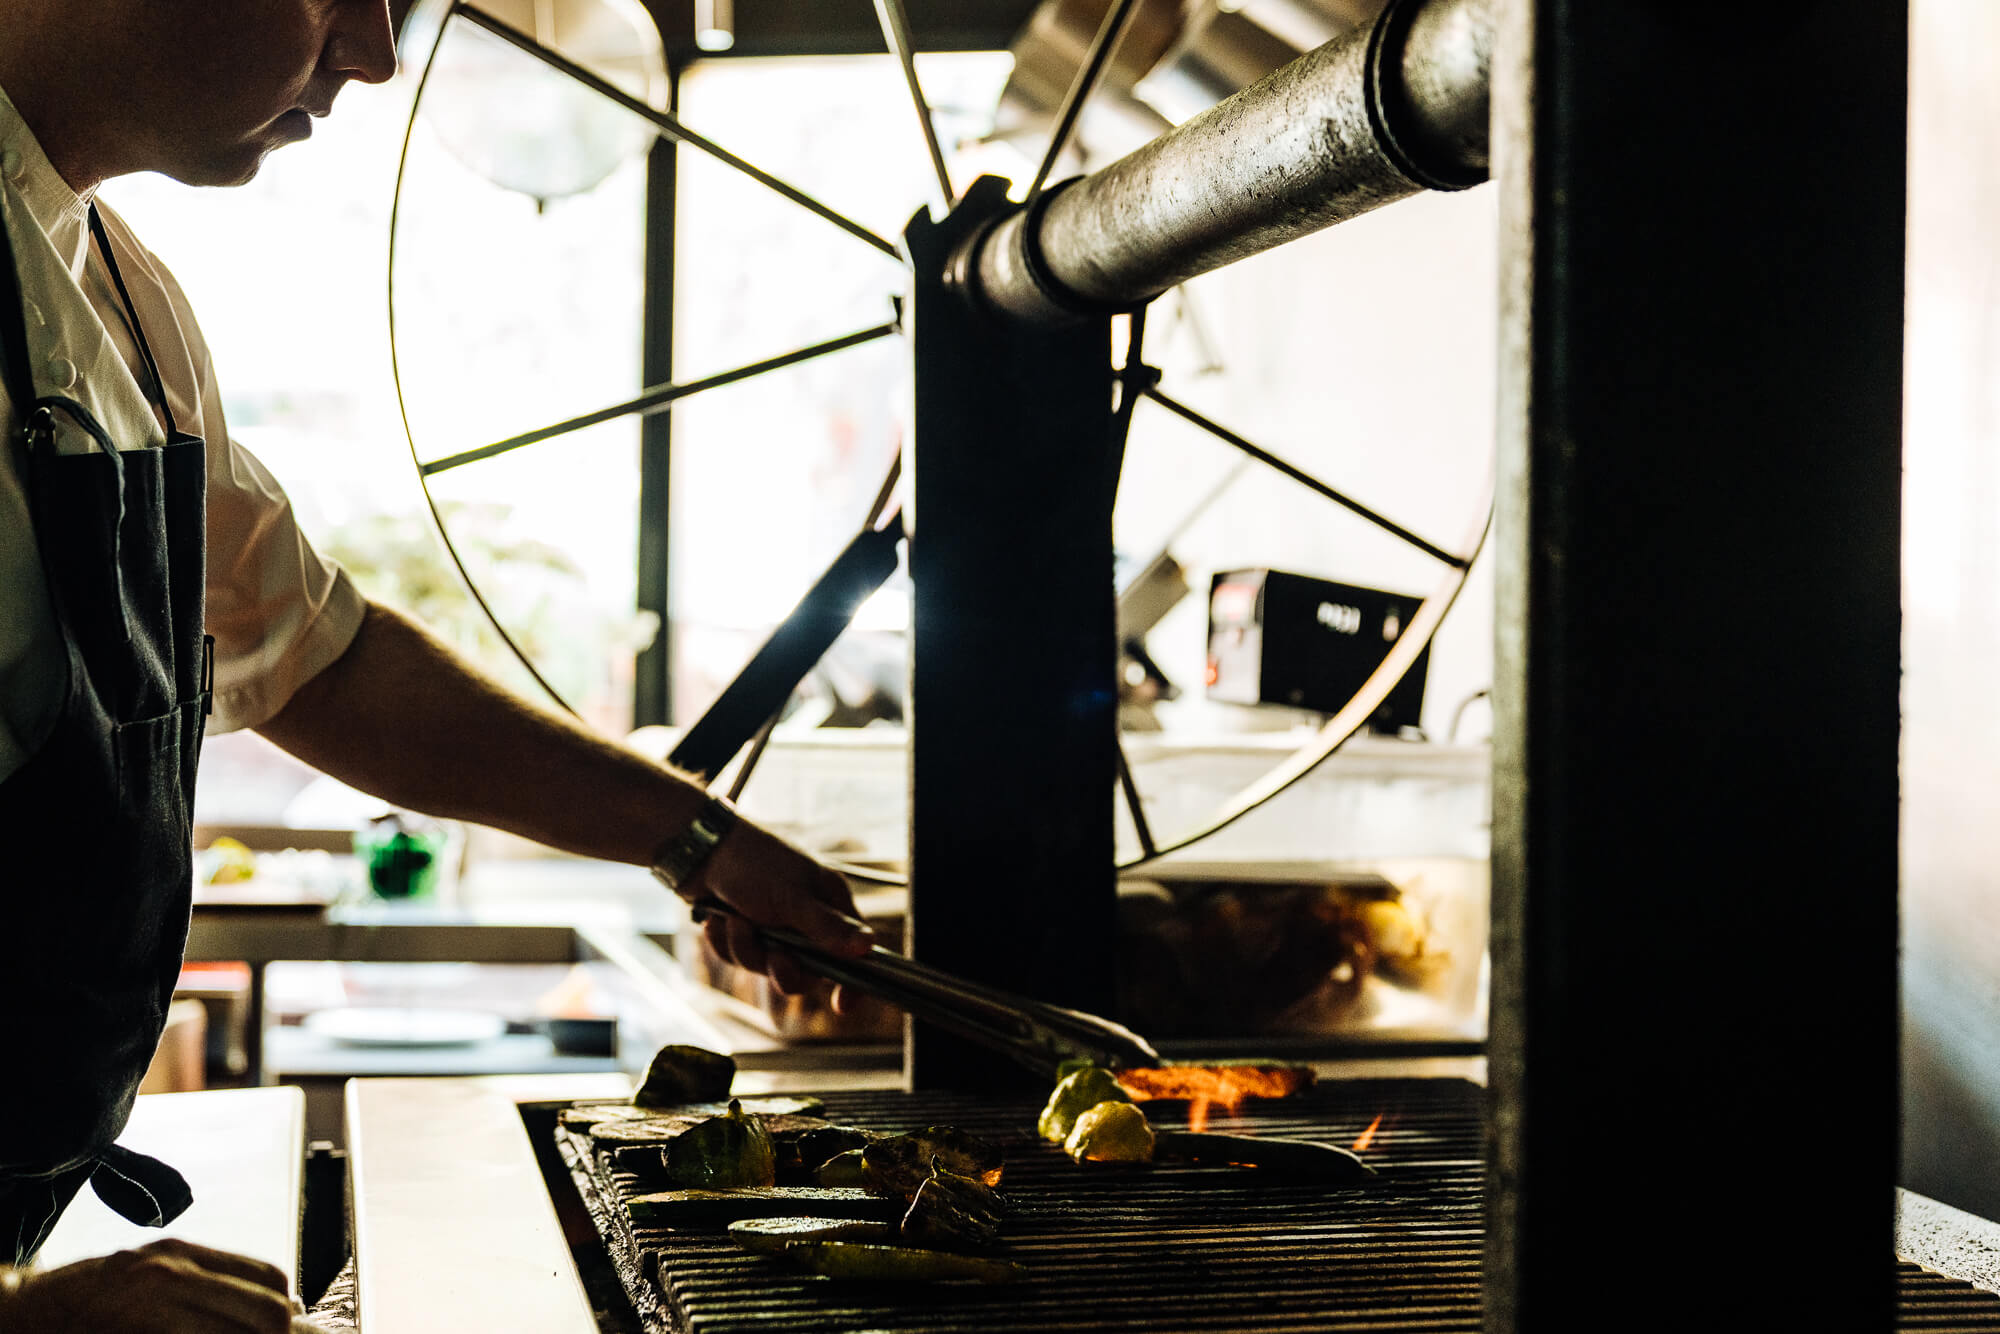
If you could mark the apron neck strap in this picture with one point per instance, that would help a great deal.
(159, 386)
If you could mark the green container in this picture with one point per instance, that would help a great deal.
(401, 860)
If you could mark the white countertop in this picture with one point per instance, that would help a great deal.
(243, 1154)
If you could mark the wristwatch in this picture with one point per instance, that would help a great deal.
(676, 861)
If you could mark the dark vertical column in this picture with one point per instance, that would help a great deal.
(1695, 806)
(653, 677)
(1013, 706)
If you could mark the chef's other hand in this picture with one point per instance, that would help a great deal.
(163, 1287)
(774, 884)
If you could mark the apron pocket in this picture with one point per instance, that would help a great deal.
(145, 944)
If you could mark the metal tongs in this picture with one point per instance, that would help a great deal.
(1036, 1034)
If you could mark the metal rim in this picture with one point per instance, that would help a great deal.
(1338, 729)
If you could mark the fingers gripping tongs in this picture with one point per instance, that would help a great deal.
(1036, 1034)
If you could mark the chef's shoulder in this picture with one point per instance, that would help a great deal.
(152, 283)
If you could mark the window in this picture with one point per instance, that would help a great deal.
(773, 476)
(510, 315)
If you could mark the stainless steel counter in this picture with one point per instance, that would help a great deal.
(260, 935)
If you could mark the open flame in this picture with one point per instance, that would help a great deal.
(1199, 1105)
(1206, 1087)
(1368, 1136)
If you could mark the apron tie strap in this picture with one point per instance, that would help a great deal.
(139, 1189)
(117, 543)
(154, 382)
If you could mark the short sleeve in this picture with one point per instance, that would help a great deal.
(280, 612)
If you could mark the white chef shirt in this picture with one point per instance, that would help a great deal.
(279, 611)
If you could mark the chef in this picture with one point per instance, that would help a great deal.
(154, 585)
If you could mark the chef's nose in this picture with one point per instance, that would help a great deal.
(362, 44)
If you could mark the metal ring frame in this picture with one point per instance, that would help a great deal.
(1336, 731)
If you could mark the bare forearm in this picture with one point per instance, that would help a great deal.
(401, 717)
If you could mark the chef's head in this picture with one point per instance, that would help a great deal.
(217, 84)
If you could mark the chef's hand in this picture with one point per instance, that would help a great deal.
(163, 1287)
(774, 884)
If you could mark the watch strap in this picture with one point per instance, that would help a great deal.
(680, 858)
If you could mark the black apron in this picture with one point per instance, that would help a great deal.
(95, 828)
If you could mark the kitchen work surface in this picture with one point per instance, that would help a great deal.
(243, 1154)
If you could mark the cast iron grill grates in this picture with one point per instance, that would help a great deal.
(1164, 1249)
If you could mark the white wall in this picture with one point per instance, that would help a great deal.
(1951, 691)
(1365, 356)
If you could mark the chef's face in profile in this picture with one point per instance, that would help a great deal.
(223, 82)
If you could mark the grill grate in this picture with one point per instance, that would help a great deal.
(1169, 1249)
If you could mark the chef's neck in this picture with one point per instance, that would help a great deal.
(69, 100)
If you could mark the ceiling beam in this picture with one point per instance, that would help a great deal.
(844, 27)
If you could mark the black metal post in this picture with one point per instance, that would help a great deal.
(653, 674)
(1695, 806)
(1013, 753)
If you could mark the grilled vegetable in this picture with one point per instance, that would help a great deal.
(801, 1155)
(895, 1264)
(1111, 1132)
(1218, 1083)
(681, 1074)
(722, 1152)
(771, 1235)
(900, 1164)
(696, 1208)
(583, 1116)
(1302, 1160)
(1075, 1095)
(843, 1170)
(781, 1116)
(644, 1161)
(953, 1213)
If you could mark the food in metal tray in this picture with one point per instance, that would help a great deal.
(681, 1074)
(725, 1151)
(1079, 1091)
(1403, 948)
(895, 1264)
(1111, 1132)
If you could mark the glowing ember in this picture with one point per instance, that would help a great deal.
(1368, 1135)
